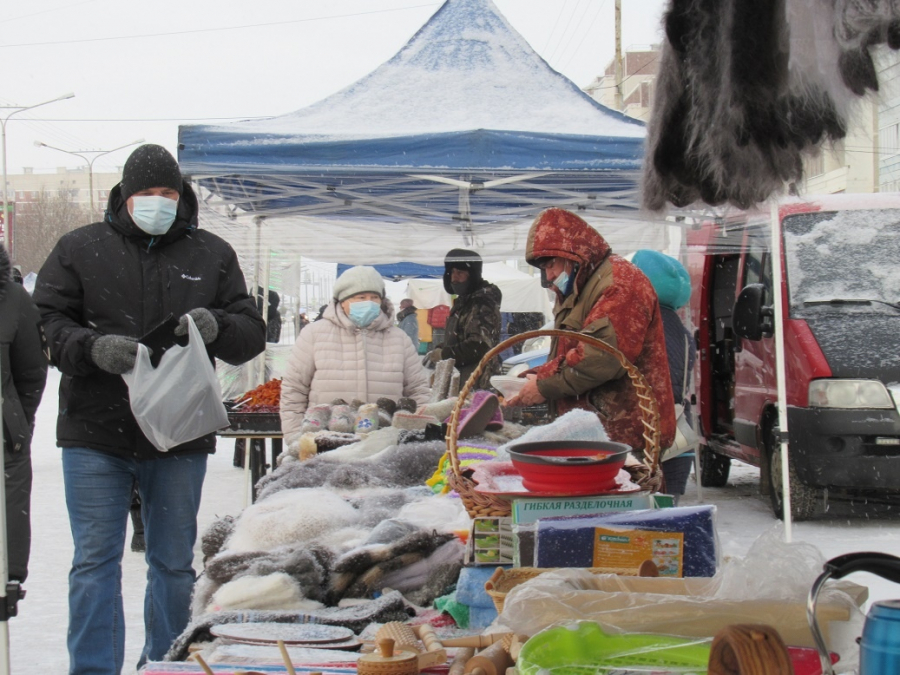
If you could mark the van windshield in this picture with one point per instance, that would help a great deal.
(841, 259)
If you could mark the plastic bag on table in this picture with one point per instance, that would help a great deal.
(767, 586)
(179, 400)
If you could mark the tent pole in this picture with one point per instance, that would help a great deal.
(254, 289)
(265, 313)
(780, 373)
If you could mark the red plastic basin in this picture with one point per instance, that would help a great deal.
(570, 467)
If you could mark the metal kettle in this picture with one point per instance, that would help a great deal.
(879, 651)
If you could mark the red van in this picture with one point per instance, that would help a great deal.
(841, 291)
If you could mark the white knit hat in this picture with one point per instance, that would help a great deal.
(360, 279)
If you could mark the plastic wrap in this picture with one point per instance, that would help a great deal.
(768, 586)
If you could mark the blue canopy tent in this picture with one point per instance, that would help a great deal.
(460, 139)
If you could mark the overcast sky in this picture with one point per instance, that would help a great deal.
(138, 69)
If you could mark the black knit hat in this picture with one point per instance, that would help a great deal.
(150, 166)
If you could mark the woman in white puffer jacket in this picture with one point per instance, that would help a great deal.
(353, 352)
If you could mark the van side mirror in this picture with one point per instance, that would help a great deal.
(752, 320)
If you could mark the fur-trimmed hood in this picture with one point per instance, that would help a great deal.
(557, 233)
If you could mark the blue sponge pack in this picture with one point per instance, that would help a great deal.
(570, 541)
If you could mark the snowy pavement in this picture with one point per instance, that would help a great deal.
(38, 634)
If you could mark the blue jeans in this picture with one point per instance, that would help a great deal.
(98, 497)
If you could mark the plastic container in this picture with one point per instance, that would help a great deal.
(574, 467)
(585, 649)
(507, 385)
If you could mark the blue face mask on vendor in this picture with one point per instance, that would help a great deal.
(364, 312)
(562, 282)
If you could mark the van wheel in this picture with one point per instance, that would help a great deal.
(714, 468)
(804, 499)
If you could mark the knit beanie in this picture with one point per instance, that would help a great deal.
(150, 166)
(670, 280)
(359, 279)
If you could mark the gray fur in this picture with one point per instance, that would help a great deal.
(399, 466)
(388, 607)
(215, 536)
(740, 103)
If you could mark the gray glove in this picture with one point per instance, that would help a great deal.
(114, 353)
(204, 320)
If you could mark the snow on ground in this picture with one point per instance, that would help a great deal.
(38, 634)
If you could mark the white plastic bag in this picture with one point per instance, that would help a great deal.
(180, 399)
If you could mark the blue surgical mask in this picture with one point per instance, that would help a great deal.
(562, 282)
(154, 214)
(364, 312)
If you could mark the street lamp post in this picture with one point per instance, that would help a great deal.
(16, 109)
(90, 162)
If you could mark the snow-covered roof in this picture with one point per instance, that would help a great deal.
(465, 69)
(466, 91)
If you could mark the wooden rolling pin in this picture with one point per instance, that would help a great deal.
(477, 641)
(491, 661)
(458, 667)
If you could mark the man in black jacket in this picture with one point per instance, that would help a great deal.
(102, 287)
(23, 374)
(473, 326)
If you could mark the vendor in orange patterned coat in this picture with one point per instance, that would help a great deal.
(602, 295)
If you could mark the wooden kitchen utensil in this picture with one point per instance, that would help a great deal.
(388, 662)
(491, 661)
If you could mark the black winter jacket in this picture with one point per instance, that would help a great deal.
(23, 366)
(473, 328)
(112, 278)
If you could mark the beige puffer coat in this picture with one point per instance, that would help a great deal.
(333, 358)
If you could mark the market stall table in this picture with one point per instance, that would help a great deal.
(254, 429)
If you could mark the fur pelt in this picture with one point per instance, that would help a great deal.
(747, 88)
(396, 466)
(389, 607)
(272, 591)
(359, 573)
(307, 566)
(214, 537)
(290, 518)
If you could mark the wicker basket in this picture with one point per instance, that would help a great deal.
(503, 580)
(648, 475)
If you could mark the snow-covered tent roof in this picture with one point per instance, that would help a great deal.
(466, 132)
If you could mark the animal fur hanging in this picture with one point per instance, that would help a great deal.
(747, 88)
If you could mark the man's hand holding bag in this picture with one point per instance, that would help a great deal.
(179, 400)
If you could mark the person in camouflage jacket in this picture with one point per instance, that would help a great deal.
(605, 296)
(473, 326)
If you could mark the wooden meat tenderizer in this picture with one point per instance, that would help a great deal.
(405, 637)
(491, 661)
(434, 653)
(388, 662)
(402, 635)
